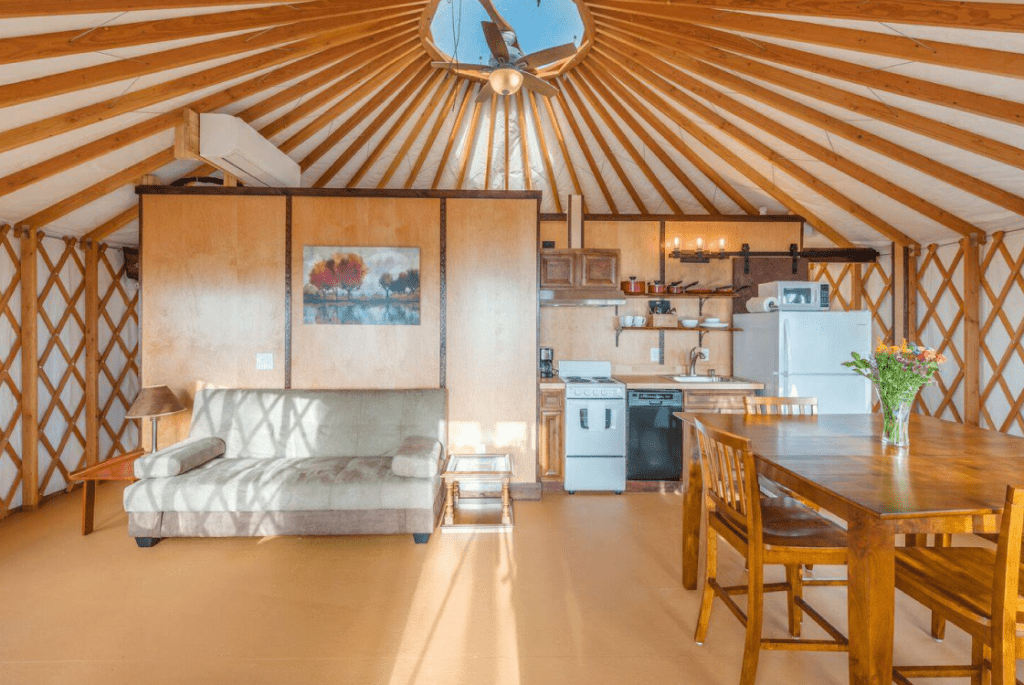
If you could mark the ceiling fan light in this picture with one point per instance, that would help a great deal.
(506, 81)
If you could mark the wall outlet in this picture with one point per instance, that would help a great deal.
(264, 361)
(705, 354)
(655, 354)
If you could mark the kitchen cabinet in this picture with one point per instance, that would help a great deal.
(719, 401)
(579, 269)
(551, 443)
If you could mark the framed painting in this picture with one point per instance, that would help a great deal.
(364, 286)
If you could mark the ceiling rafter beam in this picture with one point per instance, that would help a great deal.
(323, 34)
(115, 141)
(604, 90)
(951, 55)
(428, 143)
(713, 144)
(524, 143)
(452, 87)
(490, 140)
(879, 79)
(612, 159)
(545, 153)
(508, 164)
(453, 133)
(585, 149)
(858, 136)
(582, 85)
(469, 144)
(981, 16)
(877, 109)
(788, 167)
(411, 82)
(556, 127)
(433, 86)
(114, 36)
(42, 8)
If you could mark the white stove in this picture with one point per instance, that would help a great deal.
(595, 427)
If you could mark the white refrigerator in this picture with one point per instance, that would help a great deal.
(800, 354)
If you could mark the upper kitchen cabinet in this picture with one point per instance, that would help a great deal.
(579, 268)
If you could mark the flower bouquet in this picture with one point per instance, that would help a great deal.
(898, 372)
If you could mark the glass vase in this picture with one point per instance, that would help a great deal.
(895, 420)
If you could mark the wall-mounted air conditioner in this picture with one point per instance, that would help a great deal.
(234, 146)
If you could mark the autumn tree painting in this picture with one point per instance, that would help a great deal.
(361, 285)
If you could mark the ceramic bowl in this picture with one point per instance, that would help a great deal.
(689, 323)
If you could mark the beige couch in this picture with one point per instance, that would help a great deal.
(295, 462)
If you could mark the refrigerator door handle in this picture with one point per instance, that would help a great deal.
(784, 383)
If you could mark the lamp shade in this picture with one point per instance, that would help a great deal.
(154, 400)
(505, 81)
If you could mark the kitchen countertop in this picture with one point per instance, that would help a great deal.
(657, 382)
(555, 383)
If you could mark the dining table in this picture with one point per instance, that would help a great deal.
(951, 479)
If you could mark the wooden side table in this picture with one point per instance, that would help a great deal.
(477, 468)
(118, 468)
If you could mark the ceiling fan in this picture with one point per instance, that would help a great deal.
(509, 69)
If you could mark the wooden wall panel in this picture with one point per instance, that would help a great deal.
(557, 231)
(213, 295)
(368, 357)
(492, 323)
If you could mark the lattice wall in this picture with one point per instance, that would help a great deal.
(861, 286)
(61, 329)
(1002, 325)
(940, 319)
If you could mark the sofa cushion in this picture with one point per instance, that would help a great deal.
(316, 423)
(313, 484)
(178, 458)
(418, 457)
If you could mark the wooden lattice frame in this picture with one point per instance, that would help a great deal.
(996, 252)
(851, 287)
(118, 378)
(949, 331)
(73, 361)
(8, 305)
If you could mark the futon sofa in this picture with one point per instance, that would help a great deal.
(295, 462)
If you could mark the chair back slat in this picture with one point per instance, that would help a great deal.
(730, 477)
(1008, 562)
(786, 406)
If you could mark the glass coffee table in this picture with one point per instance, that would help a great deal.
(477, 509)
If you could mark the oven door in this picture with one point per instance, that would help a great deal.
(595, 428)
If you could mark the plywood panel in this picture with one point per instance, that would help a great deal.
(588, 332)
(368, 357)
(492, 323)
(213, 295)
(557, 231)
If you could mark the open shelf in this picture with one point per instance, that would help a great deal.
(700, 330)
(670, 296)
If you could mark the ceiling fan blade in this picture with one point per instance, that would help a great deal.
(539, 85)
(486, 92)
(547, 55)
(494, 40)
(461, 66)
(495, 16)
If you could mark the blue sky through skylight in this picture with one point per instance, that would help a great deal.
(537, 26)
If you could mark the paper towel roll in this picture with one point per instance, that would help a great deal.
(762, 304)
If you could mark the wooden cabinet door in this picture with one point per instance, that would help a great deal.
(557, 269)
(599, 268)
(723, 402)
(551, 445)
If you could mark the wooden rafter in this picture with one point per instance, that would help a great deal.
(524, 143)
(456, 125)
(400, 99)
(490, 140)
(982, 16)
(508, 158)
(595, 132)
(764, 151)
(435, 129)
(584, 147)
(452, 88)
(601, 108)
(879, 79)
(565, 150)
(42, 8)
(469, 145)
(433, 86)
(544, 152)
(890, 114)
(843, 129)
(952, 55)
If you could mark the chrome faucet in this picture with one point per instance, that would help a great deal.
(694, 356)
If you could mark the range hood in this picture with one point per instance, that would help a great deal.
(581, 297)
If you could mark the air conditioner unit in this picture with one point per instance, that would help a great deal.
(234, 146)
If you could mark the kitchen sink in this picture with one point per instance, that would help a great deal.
(698, 379)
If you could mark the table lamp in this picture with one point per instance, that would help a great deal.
(154, 401)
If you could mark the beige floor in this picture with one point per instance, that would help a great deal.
(586, 590)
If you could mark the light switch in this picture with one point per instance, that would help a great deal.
(264, 361)
(655, 354)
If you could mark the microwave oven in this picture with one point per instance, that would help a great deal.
(797, 295)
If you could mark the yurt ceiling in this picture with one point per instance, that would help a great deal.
(877, 121)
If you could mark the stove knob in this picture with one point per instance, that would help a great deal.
(604, 393)
(587, 393)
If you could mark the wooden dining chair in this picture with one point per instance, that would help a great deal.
(976, 589)
(765, 530)
(791, 406)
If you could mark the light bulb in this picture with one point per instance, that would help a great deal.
(721, 244)
(700, 243)
(677, 242)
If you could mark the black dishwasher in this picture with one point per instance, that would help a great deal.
(654, 438)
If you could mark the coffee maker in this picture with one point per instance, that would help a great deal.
(547, 362)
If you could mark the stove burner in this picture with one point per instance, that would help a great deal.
(587, 380)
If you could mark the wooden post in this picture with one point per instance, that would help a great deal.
(92, 355)
(912, 253)
(857, 288)
(972, 333)
(29, 371)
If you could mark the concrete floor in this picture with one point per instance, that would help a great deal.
(586, 590)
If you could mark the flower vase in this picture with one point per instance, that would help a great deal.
(895, 420)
